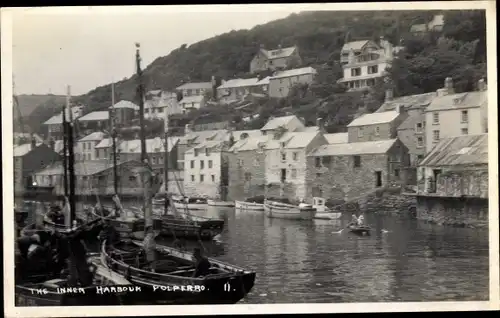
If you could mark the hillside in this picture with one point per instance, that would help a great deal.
(30, 106)
(320, 36)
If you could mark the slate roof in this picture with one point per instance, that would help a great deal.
(338, 138)
(293, 72)
(374, 119)
(354, 148)
(458, 101)
(195, 85)
(99, 115)
(409, 102)
(57, 119)
(86, 168)
(191, 99)
(278, 53)
(278, 122)
(292, 140)
(249, 144)
(125, 104)
(93, 136)
(200, 136)
(355, 45)
(239, 82)
(23, 149)
(461, 150)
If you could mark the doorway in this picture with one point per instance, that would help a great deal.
(283, 175)
(378, 179)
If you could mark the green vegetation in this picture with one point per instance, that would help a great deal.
(458, 51)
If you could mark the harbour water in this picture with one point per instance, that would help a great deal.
(314, 262)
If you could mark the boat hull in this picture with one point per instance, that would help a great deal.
(177, 227)
(243, 205)
(228, 288)
(360, 230)
(190, 206)
(228, 204)
(327, 215)
(280, 210)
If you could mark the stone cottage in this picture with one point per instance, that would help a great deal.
(376, 126)
(453, 182)
(349, 170)
(277, 59)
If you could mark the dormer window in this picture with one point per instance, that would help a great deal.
(207, 152)
(196, 152)
(283, 156)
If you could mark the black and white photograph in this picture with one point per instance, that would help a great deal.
(286, 158)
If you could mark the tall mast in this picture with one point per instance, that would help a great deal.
(113, 137)
(71, 159)
(65, 152)
(165, 164)
(147, 180)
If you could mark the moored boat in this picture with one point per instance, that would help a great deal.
(225, 283)
(254, 203)
(282, 208)
(322, 211)
(228, 204)
(190, 203)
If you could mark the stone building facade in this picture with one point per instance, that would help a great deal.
(347, 171)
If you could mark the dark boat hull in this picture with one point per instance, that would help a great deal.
(360, 230)
(191, 230)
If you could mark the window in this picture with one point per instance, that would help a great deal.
(419, 127)
(192, 178)
(355, 71)
(210, 164)
(465, 131)
(202, 164)
(241, 162)
(396, 172)
(160, 110)
(420, 142)
(357, 161)
(435, 118)
(318, 162)
(377, 131)
(256, 162)
(196, 152)
(131, 178)
(295, 156)
(326, 161)
(435, 135)
(213, 178)
(420, 157)
(318, 175)
(202, 178)
(465, 116)
(283, 175)
(373, 69)
(192, 164)
(283, 156)
(360, 132)
(248, 176)
(293, 174)
(154, 160)
(207, 152)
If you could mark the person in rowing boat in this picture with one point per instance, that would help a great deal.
(354, 220)
(361, 220)
(202, 265)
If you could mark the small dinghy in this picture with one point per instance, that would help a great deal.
(359, 229)
(254, 204)
(227, 204)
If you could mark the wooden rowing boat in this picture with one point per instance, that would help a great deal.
(359, 230)
(283, 209)
(253, 204)
(226, 284)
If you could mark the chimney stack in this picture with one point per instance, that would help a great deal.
(52, 144)
(389, 94)
(481, 85)
(448, 85)
(187, 129)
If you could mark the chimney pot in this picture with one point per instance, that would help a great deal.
(448, 85)
(33, 142)
(481, 85)
(319, 123)
(187, 129)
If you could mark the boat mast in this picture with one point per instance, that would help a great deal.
(147, 180)
(165, 164)
(113, 138)
(71, 159)
(65, 152)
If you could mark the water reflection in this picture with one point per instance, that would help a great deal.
(402, 260)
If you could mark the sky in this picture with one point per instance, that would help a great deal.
(88, 48)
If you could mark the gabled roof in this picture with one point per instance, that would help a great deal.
(356, 45)
(201, 136)
(85, 168)
(458, 101)
(409, 102)
(294, 72)
(292, 140)
(195, 85)
(125, 104)
(95, 136)
(213, 145)
(97, 116)
(155, 145)
(105, 143)
(57, 119)
(278, 122)
(237, 134)
(23, 149)
(338, 138)
(278, 53)
(248, 144)
(239, 82)
(191, 99)
(374, 119)
(354, 148)
(461, 150)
